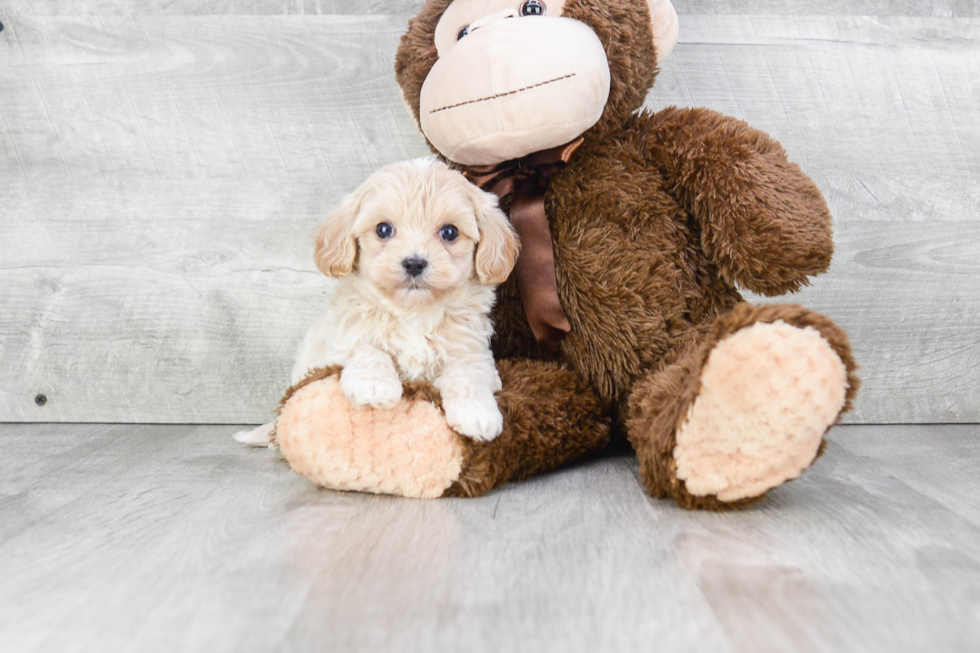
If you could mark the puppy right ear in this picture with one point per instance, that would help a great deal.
(496, 253)
(336, 248)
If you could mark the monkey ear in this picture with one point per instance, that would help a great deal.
(497, 250)
(665, 27)
(336, 248)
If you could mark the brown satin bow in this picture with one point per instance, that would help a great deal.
(528, 179)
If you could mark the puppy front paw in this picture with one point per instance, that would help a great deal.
(376, 391)
(479, 419)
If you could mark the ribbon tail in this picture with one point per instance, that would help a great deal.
(536, 272)
(530, 177)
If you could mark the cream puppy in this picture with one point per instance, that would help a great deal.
(417, 251)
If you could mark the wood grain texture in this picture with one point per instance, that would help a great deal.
(208, 8)
(166, 538)
(938, 8)
(161, 174)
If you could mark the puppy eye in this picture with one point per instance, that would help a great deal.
(533, 8)
(463, 32)
(449, 233)
(384, 230)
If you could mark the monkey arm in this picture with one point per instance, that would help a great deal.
(763, 222)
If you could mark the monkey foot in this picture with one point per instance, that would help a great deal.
(768, 394)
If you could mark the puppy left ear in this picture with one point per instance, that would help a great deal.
(498, 247)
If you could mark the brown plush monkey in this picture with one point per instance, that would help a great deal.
(623, 317)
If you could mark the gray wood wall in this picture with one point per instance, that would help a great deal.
(162, 163)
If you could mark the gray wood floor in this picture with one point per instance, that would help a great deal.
(175, 538)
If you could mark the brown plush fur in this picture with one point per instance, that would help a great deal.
(551, 418)
(655, 222)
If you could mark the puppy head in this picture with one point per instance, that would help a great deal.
(417, 230)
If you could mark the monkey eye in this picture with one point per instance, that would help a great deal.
(463, 32)
(449, 233)
(384, 230)
(533, 8)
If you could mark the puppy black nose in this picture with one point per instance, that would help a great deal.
(414, 266)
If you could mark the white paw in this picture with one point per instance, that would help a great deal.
(376, 391)
(257, 437)
(479, 419)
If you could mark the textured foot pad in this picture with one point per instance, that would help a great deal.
(768, 394)
(407, 451)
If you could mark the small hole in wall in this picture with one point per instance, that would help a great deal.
(40, 400)
(1, 27)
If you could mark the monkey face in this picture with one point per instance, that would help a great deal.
(493, 80)
(511, 84)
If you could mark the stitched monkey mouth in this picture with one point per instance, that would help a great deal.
(500, 95)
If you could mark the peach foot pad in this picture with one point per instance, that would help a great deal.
(407, 451)
(768, 394)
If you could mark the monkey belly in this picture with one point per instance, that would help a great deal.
(632, 278)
